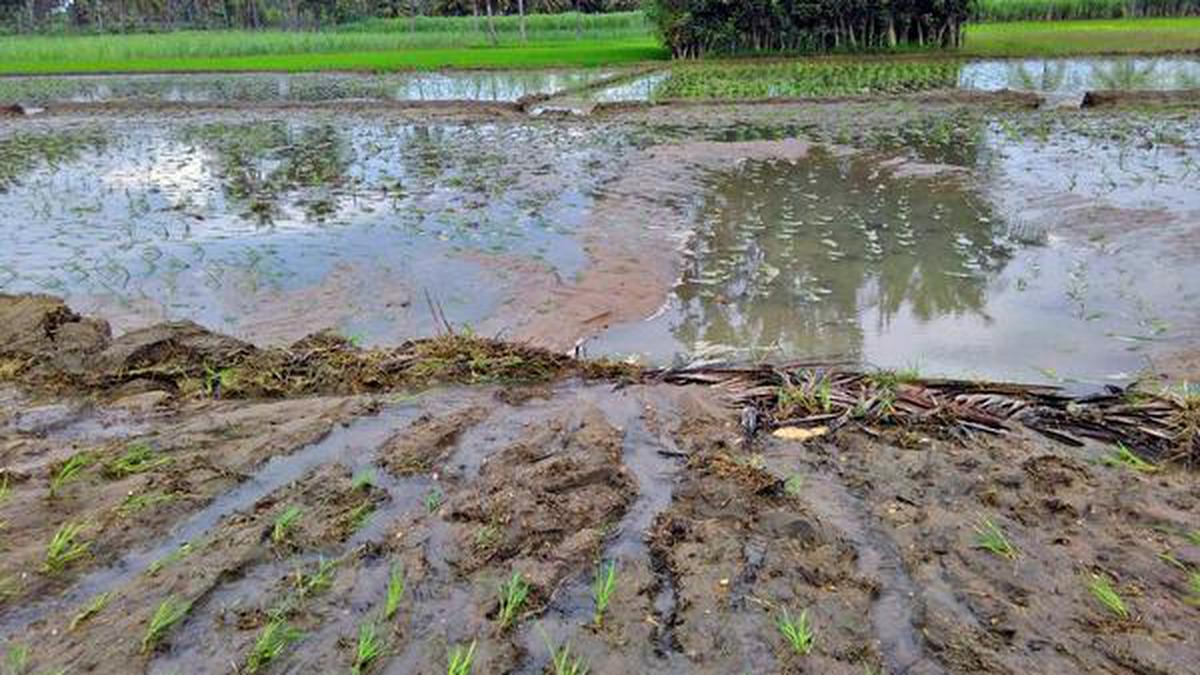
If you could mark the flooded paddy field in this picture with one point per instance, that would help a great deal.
(242, 494)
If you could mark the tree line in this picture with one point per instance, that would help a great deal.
(697, 28)
(142, 15)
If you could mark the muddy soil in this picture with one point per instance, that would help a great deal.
(293, 516)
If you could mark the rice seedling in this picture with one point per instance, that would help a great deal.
(461, 660)
(1125, 457)
(563, 662)
(368, 650)
(284, 524)
(275, 637)
(797, 632)
(65, 548)
(16, 658)
(603, 588)
(68, 472)
(1193, 537)
(138, 458)
(320, 580)
(1194, 589)
(8, 587)
(990, 537)
(794, 485)
(395, 592)
(513, 594)
(1102, 589)
(363, 480)
(359, 516)
(170, 612)
(433, 500)
(487, 538)
(5, 490)
(94, 607)
(135, 503)
(171, 558)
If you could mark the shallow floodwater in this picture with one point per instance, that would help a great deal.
(1013, 258)
(489, 86)
(1077, 75)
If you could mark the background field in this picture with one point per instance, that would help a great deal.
(431, 43)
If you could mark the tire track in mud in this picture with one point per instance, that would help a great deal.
(894, 619)
(275, 474)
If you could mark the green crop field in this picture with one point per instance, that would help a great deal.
(428, 44)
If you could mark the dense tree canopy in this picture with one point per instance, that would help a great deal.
(694, 28)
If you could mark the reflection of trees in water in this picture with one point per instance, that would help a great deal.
(1048, 76)
(262, 163)
(792, 255)
(1125, 74)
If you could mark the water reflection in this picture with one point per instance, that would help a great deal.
(1081, 74)
(803, 259)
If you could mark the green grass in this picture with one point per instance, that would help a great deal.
(368, 650)
(460, 660)
(797, 632)
(1123, 456)
(989, 537)
(285, 523)
(1058, 10)
(69, 472)
(275, 637)
(395, 592)
(138, 458)
(513, 594)
(1102, 589)
(602, 590)
(16, 658)
(65, 548)
(379, 46)
(170, 612)
(1063, 38)
(94, 607)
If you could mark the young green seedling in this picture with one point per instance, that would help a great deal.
(275, 637)
(368, 650)
(170, 612)
(1125, 457)
(1104, 592)
(94, 607)
(798, 633)
(991, 538)
(603, 588)
(65, 548)
(139, 458)
(395, 592)
(69, 472)
(563, 661)
(461, 660)
(513, 595)
(284, 524)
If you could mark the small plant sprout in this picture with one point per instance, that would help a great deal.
(603, 588)
(368, 650)
(513, 594)
(139, 458)
(794, 485)
(395, 592)
(989, 537)
(319, 580)
(68, 472)
(461, 660)
(1193, 537)
(270, 645)
(364, 479)
(5, 490)
(562, 661)
(284, 524)
(65, 548)
(797, 632)
(1125, 457)
(359, 516)
(94, 607)
(170, 612)
(16, 659)
(1104, 592)
(433, 500)
(1194, 589)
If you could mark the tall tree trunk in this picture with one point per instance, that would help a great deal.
(491, 20)
(521, 12)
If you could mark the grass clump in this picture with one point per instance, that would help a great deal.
(319, 580)
(433, 500)
(138, 458)
(94, 607)
(359, 516)
(364, 480)
(368, 650)
(5, 490)
(275, 637)
(796, 632)
(513, 594)
(1102, 589)
(990, 537)
(460, 660)
(170, 612)
(135, 503)
(285, 523)
(16, 658)
(563, 662)
(395, 592)
(1123, 456)
(65, 548)
(603, 588)
(68, 472)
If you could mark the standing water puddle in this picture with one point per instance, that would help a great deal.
(1077, 75)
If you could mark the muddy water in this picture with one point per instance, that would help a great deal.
(490, 86)
(952, 251)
